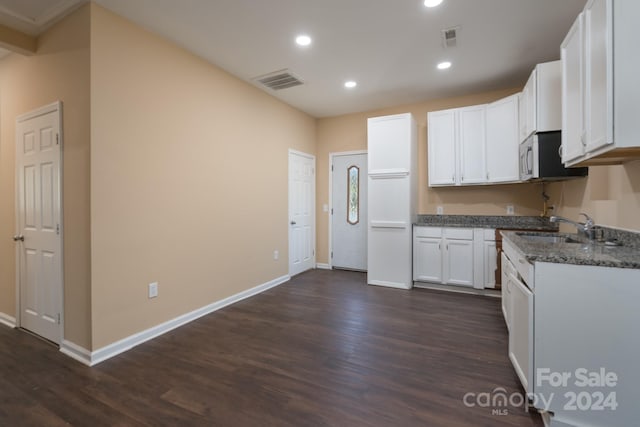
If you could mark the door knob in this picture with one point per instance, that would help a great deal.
(293, 223)
(19, 238)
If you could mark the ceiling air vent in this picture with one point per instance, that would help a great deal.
(450, 37)
(278, 80)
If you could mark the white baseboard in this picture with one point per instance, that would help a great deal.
(7, 320)
(74, 351)
(323, 266)
(131, 341)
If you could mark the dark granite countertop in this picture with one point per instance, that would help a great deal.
(488, 221)
(581, 251)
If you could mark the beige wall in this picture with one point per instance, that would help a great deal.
(611, 195)
(349, 132)
(188, 180)
(58, 71)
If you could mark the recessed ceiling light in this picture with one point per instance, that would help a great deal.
(444, 65)
(350, 84)
(432, 3)
(303, 40)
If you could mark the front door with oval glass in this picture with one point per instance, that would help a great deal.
(349, 212)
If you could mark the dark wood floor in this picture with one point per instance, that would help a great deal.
(322, 350)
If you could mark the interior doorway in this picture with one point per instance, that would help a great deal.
(39, 222)
(348, 231)
(302, 203)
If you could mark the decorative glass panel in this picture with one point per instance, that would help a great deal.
(353, 198)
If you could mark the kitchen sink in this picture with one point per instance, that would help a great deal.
(549, 238)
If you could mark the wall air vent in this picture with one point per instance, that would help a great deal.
(450, 37)
(278, 80)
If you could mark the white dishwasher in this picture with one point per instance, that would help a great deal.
(519, 312)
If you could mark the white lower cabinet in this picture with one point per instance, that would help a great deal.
(455, 256)
(427, 255)
(446, 256)
(458, 261)
(572, 343)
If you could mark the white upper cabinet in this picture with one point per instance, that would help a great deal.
(600, 90)
(471, 135)
(442, 147)
(474, 145)
(502, 140)
(540, 109)
(456, 146)
(598, 110)
(572, 57)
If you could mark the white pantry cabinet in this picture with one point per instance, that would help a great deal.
(456, 146)
(392, 199)
(502, 140)
(599, 87)
(540, 107)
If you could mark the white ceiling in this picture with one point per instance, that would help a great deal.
(390, 47)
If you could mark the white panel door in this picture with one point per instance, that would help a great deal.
(349, 212)
(472, 144)
(38, 221)
(502, 140)
(301, 212)
(441, 146)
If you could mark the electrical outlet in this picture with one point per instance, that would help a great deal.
(153, 290)
(510, 210)
(439, 210)
(276, 254)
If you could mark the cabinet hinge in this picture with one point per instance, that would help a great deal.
(58, 318)
(57, 139)
(331, 254)
(331, 211)
(331, 168)
(58, 229)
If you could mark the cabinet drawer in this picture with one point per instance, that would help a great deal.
(427, 232)
(458, 233)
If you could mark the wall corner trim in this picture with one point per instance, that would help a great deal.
(111, 350)
(7, 320)
(323, 266)
(76, 352)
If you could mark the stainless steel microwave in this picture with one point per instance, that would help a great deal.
(540, 159)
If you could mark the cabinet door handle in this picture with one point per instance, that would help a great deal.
(560, 151)
(439, 246)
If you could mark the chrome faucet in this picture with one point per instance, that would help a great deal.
(586, 228)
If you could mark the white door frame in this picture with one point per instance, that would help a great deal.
(332, 156)
(53, 107)
(313, 207)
